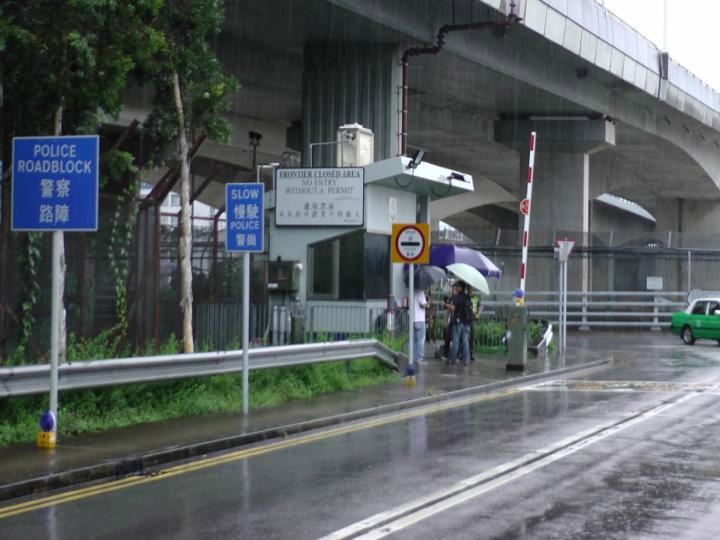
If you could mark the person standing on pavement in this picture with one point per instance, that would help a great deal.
(476, 310)
(419, 306)
(448, 322)
(461, 309)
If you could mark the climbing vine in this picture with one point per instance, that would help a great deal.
(120, 170)
(31, 289)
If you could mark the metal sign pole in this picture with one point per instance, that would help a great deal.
(565, 303)
(560, 306)
(411, 319)
(246, 332)
(55, 306)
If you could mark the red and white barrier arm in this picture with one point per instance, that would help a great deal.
(526, 227)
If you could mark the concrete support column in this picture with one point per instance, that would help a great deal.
(561, 189)
(345, 84)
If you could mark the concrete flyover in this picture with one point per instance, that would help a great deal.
(567, 68)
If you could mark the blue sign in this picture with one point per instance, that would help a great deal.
(245, 221)
(55, 183)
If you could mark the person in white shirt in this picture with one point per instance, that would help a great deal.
(419, 306)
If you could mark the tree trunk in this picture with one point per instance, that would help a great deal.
(185, 244)
(62, 349)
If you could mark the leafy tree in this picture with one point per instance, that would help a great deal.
(191, 92)
(67, 64)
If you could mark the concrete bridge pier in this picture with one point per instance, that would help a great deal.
(561, 190)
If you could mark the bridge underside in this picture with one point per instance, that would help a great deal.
(455, 100)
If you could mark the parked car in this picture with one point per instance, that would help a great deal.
(701, 320)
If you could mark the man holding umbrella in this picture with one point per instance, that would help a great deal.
(461, 314)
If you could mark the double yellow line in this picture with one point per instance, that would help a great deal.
(131, 481)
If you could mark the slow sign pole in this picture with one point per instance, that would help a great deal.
(246, 332)
(244, 230)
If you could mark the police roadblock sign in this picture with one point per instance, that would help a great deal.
(55, 183)
(245, 225)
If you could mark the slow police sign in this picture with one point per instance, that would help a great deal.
(55, 183)
(245, 218)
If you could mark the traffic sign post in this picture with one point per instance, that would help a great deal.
(410, 243)
(55, 187)
(245, 233)
(564, 248)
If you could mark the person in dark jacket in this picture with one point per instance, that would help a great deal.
(461, 316)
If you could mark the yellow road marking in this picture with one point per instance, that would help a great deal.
(131, 481)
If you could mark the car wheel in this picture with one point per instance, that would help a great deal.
(687, 336)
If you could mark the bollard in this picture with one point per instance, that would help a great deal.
(46, 438)
(517, 337)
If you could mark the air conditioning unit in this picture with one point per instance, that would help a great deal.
(357, 146)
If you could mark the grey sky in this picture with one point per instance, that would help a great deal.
(693, 34)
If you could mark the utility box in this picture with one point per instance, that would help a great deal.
(357, 146)
(516, 320)
(284, 276)
(297, 328)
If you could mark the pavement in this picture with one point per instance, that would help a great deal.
(26, 469)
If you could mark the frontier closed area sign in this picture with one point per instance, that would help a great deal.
(55, 183)
(320, 197)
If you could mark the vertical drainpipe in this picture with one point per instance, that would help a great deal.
(404, 106)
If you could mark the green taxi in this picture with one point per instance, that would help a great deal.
(701, 320)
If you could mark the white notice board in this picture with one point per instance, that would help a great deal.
(320, 197)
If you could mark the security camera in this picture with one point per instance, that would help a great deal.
(254, 137)
(417, 159)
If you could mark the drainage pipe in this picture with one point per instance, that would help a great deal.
(508, 21)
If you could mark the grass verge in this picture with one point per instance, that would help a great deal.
(108, 408)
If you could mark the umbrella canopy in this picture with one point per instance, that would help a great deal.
(425, 276)
(444, 254)
(469, 275)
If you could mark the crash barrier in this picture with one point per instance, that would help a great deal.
(24, 380)
(590, 309)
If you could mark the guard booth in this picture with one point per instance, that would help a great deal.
(334, 225)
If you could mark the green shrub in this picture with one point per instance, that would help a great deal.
(108, 408)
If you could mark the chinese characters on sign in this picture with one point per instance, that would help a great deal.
(320, 197)
(245, 217)
(55, 183)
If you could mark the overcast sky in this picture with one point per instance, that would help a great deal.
(693, 33)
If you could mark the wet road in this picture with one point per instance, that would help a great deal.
(632, 451)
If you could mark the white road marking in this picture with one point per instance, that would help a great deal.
(400, 517)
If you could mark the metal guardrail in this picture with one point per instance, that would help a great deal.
(24, 380)
(611, 309)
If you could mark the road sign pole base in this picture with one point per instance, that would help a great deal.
(45, 439)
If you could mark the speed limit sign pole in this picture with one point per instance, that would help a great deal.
(525, 209)
(410, 244)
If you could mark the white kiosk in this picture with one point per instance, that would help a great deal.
(334, 224)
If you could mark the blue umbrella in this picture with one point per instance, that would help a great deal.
(444, 254)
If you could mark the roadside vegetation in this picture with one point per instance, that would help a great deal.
(109, 408)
